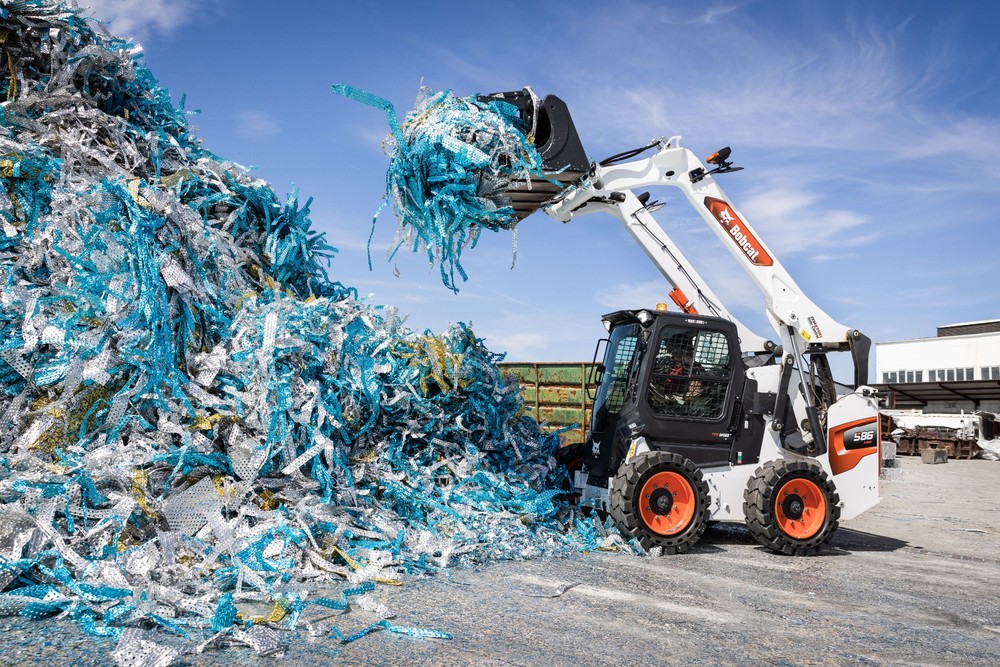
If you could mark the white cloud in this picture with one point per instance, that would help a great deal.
(704, 15)
(963, 143)
(517, 345)
(835, 257)
(346, 239)
(730, 284)
(796, 222)
(857, 91)
(256, 124)
(371, 138)
(524, 336)
(138, 19)
(634, 295)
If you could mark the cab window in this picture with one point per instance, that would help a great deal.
(690, 376)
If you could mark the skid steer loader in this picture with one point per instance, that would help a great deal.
(697, 419)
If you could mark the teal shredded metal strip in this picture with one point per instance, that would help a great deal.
(420, 633)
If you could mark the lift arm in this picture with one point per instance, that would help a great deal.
(802, 326)
(574, 187)
(690, 292)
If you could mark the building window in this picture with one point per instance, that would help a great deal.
(951, 375)
(990, 372)
(968, 374)
(918, 376)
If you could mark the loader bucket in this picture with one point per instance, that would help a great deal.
(564, 160)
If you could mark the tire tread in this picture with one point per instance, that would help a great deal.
(761, 519)
(626, 485)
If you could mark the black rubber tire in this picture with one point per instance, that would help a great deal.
(760, 512)
(625, 500)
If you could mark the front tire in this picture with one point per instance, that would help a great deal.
(791, 507)
(661, 499)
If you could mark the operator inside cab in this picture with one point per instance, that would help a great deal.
(688, 378)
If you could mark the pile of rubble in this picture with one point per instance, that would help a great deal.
(198, 428)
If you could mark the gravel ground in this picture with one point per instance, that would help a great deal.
(913, 582)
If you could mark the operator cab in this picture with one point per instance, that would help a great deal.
(678, 381)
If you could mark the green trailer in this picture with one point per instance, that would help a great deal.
(556, 395)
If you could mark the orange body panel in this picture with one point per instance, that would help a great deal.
(846, 455)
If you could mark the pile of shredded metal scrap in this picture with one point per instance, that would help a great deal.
(199, 430)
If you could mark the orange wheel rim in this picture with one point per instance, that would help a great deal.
(800, 507)
(666, 503)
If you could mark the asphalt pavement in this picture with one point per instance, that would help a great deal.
(914, 581)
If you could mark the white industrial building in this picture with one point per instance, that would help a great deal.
(956, 371)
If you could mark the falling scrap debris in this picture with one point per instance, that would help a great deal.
(451, 164)
(199, 429)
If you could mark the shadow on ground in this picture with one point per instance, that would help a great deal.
(856, 540)
(721, 535)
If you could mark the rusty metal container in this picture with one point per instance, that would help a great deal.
(915, 441)
(555, 394)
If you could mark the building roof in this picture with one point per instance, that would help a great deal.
(946, 337)
(966, 324)
(978, 328)
(986, 326)
(918, 394)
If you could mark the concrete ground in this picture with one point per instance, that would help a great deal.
(913, 582)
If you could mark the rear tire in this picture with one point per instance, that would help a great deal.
(791, 507)
(661, 499)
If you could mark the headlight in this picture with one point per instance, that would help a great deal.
(644, 317)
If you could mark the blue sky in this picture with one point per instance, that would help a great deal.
(868, 132)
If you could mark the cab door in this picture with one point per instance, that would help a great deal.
(690, 384)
